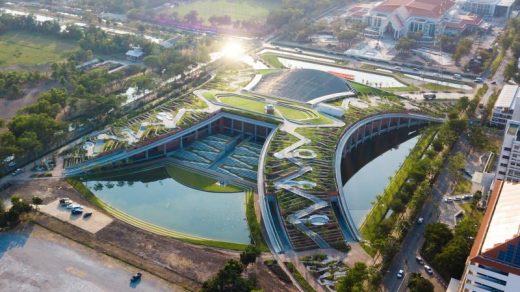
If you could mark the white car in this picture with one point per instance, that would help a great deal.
(400, 274)
(420, 220)
(457, 76)
(428, 269)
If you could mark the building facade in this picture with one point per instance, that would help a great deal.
(506, 106)
(488, 8)
(494, 260)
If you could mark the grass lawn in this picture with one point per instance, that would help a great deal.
(365, 89)
(287, 112)
(21, 48)
(244, 103)
(463, 187)
(237, 10)
(438, 87)
(272, 60)
(198, 181)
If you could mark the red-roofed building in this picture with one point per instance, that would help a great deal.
(398, 18)
(494, 260)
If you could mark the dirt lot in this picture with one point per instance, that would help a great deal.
(92, 224)
(8, 106)
(178, 262)
(64, 266)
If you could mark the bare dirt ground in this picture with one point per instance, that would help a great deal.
(9, 106)
(64, 265)
(184, 264)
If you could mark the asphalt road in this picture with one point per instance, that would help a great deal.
(413, 241)
(36, 259)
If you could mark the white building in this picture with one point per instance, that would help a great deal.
(488, 8)
(494, 260)
(397, 18)
(505, 106)
(509, 159)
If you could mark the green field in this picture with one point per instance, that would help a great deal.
(20, 48)
(198, 181)
(237, 10)
(259, 107)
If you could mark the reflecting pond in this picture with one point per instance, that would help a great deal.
(155, 197)
(366, 176)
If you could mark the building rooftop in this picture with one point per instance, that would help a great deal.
(497, 241)
(505, 221)
(417, 8)
(506, 99)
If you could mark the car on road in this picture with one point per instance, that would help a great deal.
(478, 80)
(457, 76)
(17, 172)
(416, 69)
(419, 260)
(428, 270)
(493, 82)
(400, 274)
(136, 277)
(420, 220)
(88, 214)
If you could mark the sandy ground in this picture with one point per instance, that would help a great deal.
(91, 224)
(8, 107)
(35, 259)
(178, 262)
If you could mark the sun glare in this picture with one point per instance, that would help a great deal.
(233, 50)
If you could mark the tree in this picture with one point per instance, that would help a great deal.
(192, 17)
(477, 138)
(463, 48)
(405, 44)
(229, 279)
(249, 255)
(37, 200)
(419, 284)
(141, 28)
(456, 165)
(354, 279)
(436, 236)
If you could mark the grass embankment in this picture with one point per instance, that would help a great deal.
(438, 87)
(377, 213)
(299, 278)
(272, 61)
(254, 225)
(367, 90)
(85, 192)
(198, 181)
(236, 10)
(23, 48)
(291, 113)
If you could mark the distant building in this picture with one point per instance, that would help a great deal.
(506, 105)
(494, 260)
(509, 160)
(135, 54)
(398, 18)
(488, 8)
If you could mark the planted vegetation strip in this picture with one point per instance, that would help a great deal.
(199, 181)
(272, 61)
(299, 278)
(377, 213)
(254, 225)
(148, 226)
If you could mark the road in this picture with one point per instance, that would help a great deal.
(413, 241)
(36, 259)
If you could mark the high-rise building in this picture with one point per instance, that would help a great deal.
(506, 105)
(494, 260)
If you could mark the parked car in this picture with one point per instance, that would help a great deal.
(88, 214)
(457, 76)
(400, 274)
(419, 260)
(76, 211)
(428, 269)
(420, 220)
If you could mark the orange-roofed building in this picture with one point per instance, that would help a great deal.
(399, 18)
(494, 260)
